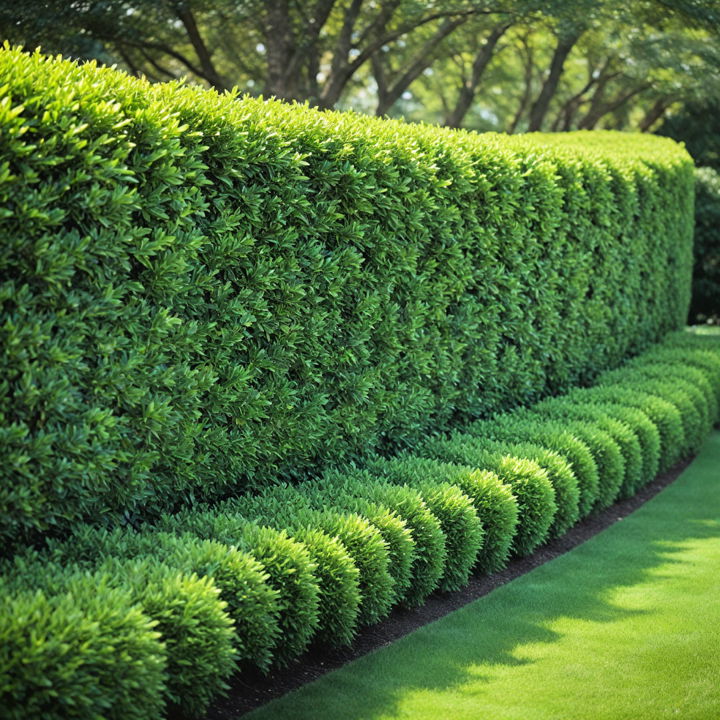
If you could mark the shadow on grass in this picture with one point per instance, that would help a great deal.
(472, 643)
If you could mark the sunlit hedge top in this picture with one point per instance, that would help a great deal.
(200, 292)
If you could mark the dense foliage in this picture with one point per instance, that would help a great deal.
(705, 305)
(125, 623)
(202, 293)
(498, 65)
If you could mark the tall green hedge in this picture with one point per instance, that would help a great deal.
(202, 292)
(705, 305)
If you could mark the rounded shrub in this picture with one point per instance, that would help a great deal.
(86, 652)
(428, 560)
(527, 480)
(626, 440)
(699, 377)
(561, 477)
(525, 427)
(492, 500)
(639, 421)
(605, 452)
(453, 510)
(559, 472)
(665, 416)
(691, 416)
(338, 585)
(688, 401)
(369, 551)
(197, 632)
(393, 529)
(398, 541)
(706, 361)
(252, 602)
(462, 528)
(287, 562)
(689, 379)
(283, 506)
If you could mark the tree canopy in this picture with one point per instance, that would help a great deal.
(507, 65)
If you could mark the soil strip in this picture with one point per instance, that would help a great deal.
(252, 689)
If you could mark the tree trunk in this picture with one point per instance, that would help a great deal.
(389, 95)
(527, 90)
(469, 89)
(654, 114)
(566, 115)
(596, 113)
(279, 46)
(209, 71)
(549, 88)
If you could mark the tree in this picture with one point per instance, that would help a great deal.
(508, 65)
(292, 49)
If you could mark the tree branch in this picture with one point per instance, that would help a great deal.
(345, 70)
(527, 90)
(210, 72)
(654, 114)
(469, 88)
(423, 59)
(168, 51)
(162, 70)
(541, 105)
(134, 69)
(591, 119)
(313, 27)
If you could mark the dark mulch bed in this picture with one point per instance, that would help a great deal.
(251, 689)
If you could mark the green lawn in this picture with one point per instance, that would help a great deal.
(625, 626)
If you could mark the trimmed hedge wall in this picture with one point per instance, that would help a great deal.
(705, 304)
(202, 293)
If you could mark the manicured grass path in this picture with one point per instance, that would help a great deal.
(625, 626)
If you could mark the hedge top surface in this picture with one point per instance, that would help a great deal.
(201, 293)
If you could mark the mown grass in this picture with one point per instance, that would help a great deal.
(624, 626)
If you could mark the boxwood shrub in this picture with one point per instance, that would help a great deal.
(196, 632)
(86, 652)
(493, 500)
(663, 414)
(393, 529)
(252, 602)
(204, 293)
(338, 585)
(622, 434)
(338, 573)
(528, 482)
(287, 562)
(462, 529)
(343, 488)
(560, 475)
(548, 433)
(703, 359)
(644, 428)
(282, 506)
(687, 376)
(605, 451)
(692, 408)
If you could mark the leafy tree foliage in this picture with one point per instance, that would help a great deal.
(507, 65)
